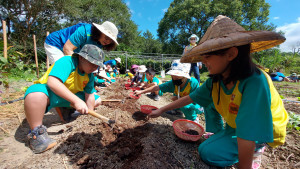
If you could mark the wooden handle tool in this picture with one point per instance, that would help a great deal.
(112, 100)
(103, 118)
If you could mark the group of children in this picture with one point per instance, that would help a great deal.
(237, 91)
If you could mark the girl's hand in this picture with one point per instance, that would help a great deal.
(155, 113)
(81, 106)
(137, 92)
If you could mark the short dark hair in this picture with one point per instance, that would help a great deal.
(150, 71)
(96, 34)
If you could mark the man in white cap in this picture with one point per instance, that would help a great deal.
(181, 85)
(72, 39)
(193, 39)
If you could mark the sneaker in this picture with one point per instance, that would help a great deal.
(156, 98)
(256, 163)
(39, 141)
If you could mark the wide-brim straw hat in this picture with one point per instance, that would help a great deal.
(225, 33)
(109, 29)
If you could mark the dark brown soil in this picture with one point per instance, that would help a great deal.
(192, 132)
(133, 142)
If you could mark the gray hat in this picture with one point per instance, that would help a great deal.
(93, 54)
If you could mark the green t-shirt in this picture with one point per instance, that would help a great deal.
(252, 107)
(190, 86)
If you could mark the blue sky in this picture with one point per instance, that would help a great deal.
(283, 13)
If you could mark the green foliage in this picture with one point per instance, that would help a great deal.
(185, 17)
(298, 98)
(273, 59)
(294, 121)
(18, 64)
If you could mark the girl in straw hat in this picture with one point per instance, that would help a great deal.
(181, 85)
(242, 93)
(72, 39)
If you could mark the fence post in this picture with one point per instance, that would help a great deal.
(4, 39)
(47, 63)
(36, 58)
(162, 61)
(126, 61)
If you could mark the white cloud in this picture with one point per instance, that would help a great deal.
(292, 35)
(128, 3)
(276, 18)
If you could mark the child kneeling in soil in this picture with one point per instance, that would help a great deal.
(242, 93)
(181, 85)
(152, 81)
(69, 81)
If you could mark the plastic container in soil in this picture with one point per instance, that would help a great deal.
(188, 130)
(132, 95)
(135, 88)
(127, 88)
(147, 109)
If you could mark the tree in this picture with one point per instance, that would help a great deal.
(149, 44)
(25, 18)
(185, 17)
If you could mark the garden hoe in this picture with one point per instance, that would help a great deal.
(103, 118)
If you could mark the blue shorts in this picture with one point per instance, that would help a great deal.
(55, 100)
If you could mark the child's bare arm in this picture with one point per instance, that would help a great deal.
(61, 90)
(90, 100)
(246, 150)
(150, 89)
(176, 104)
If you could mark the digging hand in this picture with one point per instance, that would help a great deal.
(155, 113)
(137, 92)
(81, 106)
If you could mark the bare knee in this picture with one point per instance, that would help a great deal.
(98, 102)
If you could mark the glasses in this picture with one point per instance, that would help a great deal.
(192, 39)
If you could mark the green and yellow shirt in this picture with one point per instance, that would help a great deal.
(253, 107)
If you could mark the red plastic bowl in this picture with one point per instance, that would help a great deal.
(132, 95)
(147, 109)
(127, 84)
(182, 125)
(135, 88)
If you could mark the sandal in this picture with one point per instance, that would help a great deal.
(256, 163)
(206, 135)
